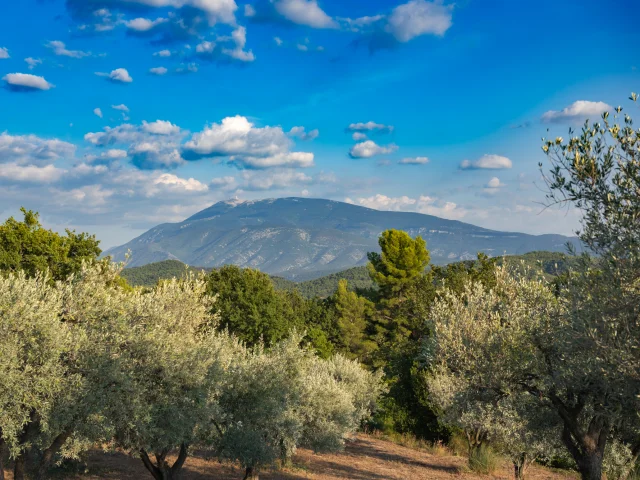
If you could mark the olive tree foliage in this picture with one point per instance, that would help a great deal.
(279, 400)
(478, 337)
(597, 171)
(32, 341)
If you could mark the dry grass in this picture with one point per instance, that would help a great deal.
(365, 458)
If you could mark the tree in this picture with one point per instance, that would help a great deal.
(353, 313)
(598, 172)
(287, 397)
(249, 306)
(401, 262)
(28, 246)
(519, 339)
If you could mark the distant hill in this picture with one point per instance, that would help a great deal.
(302, 238)
(549, 263)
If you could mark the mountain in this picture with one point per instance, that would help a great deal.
(302, 238)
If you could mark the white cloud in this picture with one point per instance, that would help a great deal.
(32, 62)
(274, 180)
(30, 173)
(422, 204)
(358, 136)
(489, 162)
(239, 36)
(107, 157)
(289, 159)
(160, 127)
(122, 107)
(144, 24)
(369, 127)
(247, 145)
(494, 183)
(87, 196)
(278, 41)
(224, 183)
(26, 81)
(120, 75)
(25, 149)
(369, 148)
(302, 134)
(59, 48)
(158, 71)
(163, 53)
(4, 53)
(188, 68)
(577, 111)
(302, 47)
(419, 17)
(173, 182)
(414, 161)
(97, 112)
(152, 155)
(205, 47)
(305, 12)
(249, 11)
(357, 24)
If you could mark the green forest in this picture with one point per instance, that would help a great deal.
(535, 358)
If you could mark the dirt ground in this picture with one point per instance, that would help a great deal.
(364, 458)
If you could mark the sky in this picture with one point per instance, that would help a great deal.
(118, 115)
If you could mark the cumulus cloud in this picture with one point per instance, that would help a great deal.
(414, 161)
(422, 204)
(213, 52)
(59, 48)
(305, 12)
(419, 17)
(278, 41)
(160, 127)
(144, 24)
(488, 162)
(302, 134)
(30, 173)
(122, 107)
(26, 82)
(4, 53)
(152, 145)
(246, 145)
(163, 53)
(249, 11)
(274, 180)
(369, 148)
(26, 149)
(119, 75)
(158, 71)
(97, 112)
(106, 158)
(577, 111)
(370, 127)
(32, 62)
(173, 182)
(358, 136)
(493, 186)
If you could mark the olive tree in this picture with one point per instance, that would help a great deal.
(278, 400)
(519, 339)
(33, 342)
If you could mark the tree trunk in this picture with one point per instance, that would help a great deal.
(19, 467)
(251, 473)
(161, 470)
(48, 454)
(3, 451)
(587, 448)
(520, 466)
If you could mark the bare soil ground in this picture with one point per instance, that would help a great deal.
(365, 458)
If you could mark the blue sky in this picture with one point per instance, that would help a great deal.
(117, 115)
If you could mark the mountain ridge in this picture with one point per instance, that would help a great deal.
(307, 238)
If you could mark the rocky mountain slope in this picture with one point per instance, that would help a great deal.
(302, 238)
